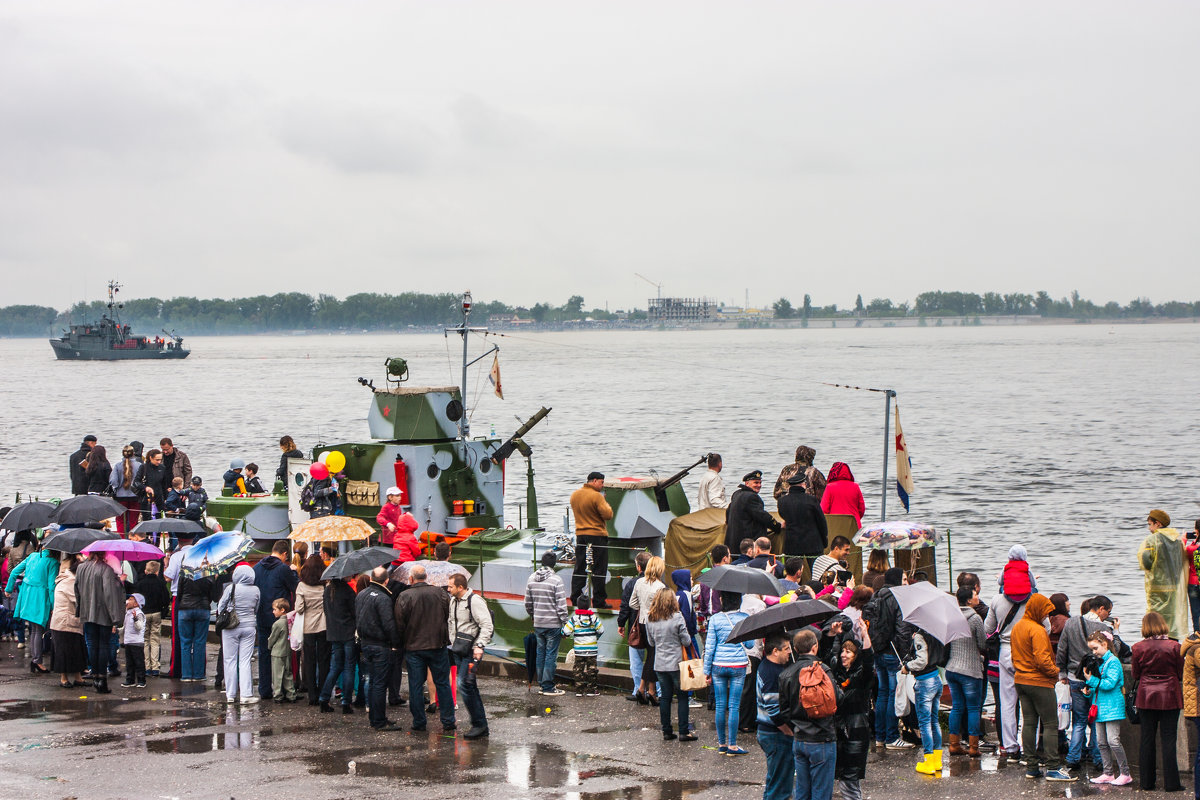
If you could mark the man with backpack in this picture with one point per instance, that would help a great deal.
(808, 697)
(883, 616)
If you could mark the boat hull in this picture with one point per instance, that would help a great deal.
(67, 352)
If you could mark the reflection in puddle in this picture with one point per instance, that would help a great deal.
(458, 761)
(206, 742)
(654, 790)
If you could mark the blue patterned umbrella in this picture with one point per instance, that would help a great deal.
(216, 553)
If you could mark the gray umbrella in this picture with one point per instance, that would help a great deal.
(741, 579)
(359, 561)
(86, 508)
(73, 540)
(169, 525)
(27, 516)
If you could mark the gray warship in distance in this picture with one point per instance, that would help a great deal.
(454, 485)
(110, 340)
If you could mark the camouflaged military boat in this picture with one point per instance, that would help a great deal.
(453, 484)
(110, 340)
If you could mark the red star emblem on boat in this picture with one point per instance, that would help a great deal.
(387, 411)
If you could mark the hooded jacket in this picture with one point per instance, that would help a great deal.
(1108, 690)
(1032, 656)
(842, 495)
(245, 599)
(585, 626)
(1162, 558)
(234, 480)
(275, 580)
(882, 613)
(406, 525)
(36, 598)
(682, 578)
(546, 599)
(1191, 669)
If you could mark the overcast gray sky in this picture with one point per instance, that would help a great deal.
(530, 151)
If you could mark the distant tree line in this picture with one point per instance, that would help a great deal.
(286, 311)
(964, 304)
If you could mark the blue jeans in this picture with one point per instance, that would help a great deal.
(887, 729)
(193, 636)
(547, 655)
(727, 683)
(468, 691)
(341, 665)
(964, 693)
(781, 768)
(438, 664)
(928, 694)
(1080, 727)
(814, 769)
(377, 664)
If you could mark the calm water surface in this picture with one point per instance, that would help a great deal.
(1057, 437)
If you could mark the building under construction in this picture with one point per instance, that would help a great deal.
(680, 309)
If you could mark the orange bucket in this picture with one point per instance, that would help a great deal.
(457, 508)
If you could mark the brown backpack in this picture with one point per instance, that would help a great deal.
(817, 696)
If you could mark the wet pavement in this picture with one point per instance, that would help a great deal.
(182, 740)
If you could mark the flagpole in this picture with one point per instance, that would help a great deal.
(888, 394)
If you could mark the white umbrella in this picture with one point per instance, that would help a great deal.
(932, 610)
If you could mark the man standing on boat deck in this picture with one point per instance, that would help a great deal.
(591, 512)
(78, 477)
(746, 517)
(712, 488)
(178, 466)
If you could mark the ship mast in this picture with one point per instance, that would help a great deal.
(114, 315)
(464, 422)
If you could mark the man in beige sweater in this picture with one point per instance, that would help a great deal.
(591, 512)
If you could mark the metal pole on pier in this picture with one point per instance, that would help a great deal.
(888, 394)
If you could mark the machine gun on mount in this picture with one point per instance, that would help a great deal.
(660, 491)
(515, 442)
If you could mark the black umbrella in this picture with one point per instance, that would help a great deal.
(781, 617)
(73, 540)
(741, 579)
(27, 516)
(359, 561)
(86, 508)
(169, 525)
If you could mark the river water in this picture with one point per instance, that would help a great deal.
(1060, 438)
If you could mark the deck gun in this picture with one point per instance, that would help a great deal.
(515, 442)
(660, 491)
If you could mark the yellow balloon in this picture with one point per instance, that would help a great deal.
(336, 461)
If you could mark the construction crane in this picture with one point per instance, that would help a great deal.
(657, 286)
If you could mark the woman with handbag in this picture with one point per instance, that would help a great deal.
(667, 634)
(644, 591)
(237, 613)
(1157, 672)
(1106, 687)
(310, 601)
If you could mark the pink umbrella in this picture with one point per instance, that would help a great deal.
(125, 550)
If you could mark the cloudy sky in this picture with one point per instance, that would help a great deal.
(531, 151)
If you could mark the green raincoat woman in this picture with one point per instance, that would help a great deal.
(1163, 560)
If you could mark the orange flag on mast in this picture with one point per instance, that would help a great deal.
(904, 480)
(494, 377)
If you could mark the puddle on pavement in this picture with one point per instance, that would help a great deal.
(108, 711)
(654, 790)
(459, 761)
(207, 742)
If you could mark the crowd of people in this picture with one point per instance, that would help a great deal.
(816, 700)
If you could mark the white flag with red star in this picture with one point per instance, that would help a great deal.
(904, 480)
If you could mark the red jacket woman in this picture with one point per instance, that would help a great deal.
(842, 494)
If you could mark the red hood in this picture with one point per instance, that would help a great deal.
(839, 472)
